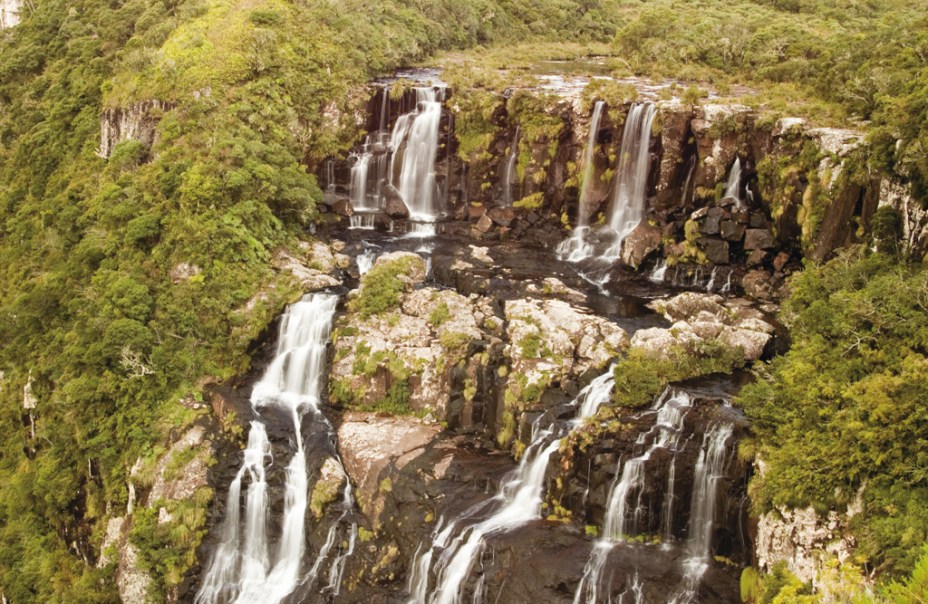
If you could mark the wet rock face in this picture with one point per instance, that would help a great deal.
(802, 190)
(138, 122)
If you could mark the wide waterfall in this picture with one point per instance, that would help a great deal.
(244, 567)
(460, 544)
(400, 162)
(629, 197)
(576, 247)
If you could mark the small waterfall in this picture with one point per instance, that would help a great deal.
(330, 175)
(364, 222)
(359, 198)
(733, 186)
(625, 510)
(366, 260)
(519, 500)
(708, 478)
(660, 271)
(510, 169)
(241, 569)
(576, 248)
(688, 191)
(628, 201)
(726, 289)
(711, 284)
(417, 183)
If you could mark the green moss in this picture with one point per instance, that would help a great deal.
(383, 285)
(530, 202)
(324, 493)
(439, 315)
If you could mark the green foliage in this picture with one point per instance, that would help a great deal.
(639, 377)
(382, 286)
(845, 409)
(914, 588)
(439, 315)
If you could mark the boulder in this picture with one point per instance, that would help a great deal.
(758, 239)
(374, 448)
(716, 250)
(395, 207)
(643, 241)
(343, 207)
(731, 230)
(502, 216)
(484, 224)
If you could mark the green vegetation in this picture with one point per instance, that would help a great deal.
(382, 286)
(843, 412)
(639, 377)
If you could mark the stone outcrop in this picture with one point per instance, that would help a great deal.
(313, 265)
(138, 121)
(175, 479)
(803, 190)
(10, 13)
(808, 542)
(551, 341)
(914, 216)
(375, 449)
(702, 319)
(412, 352)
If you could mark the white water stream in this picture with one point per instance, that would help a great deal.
(245, 568)
(460, 544)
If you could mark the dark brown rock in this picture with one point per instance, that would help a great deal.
(476, 211)
(731, 230)
(716, 250)
(484, 224)
(342, 207)
(395, 208)
(502, 216)
(757, 257)
(757, 220)
(758, 239)
(640, 244)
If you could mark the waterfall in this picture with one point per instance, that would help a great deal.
(628, 200)
(359, 182)
(576, 248)
(660, 271)
(417, 183)
(366, 260)
(364, 222)
(733, 186)
(241, 567)
(708, 478)
(624, 508)
(510, 168)
(711, 284)
(518, 502)
(687, 193)
(330, 175)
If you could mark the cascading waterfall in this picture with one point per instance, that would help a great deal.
(576, 248)
(624, 508)
(417, 182)
(511, 162)
(628, 201)
(708, 479)
(733, 185)
(241, 568)
(517, 503)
